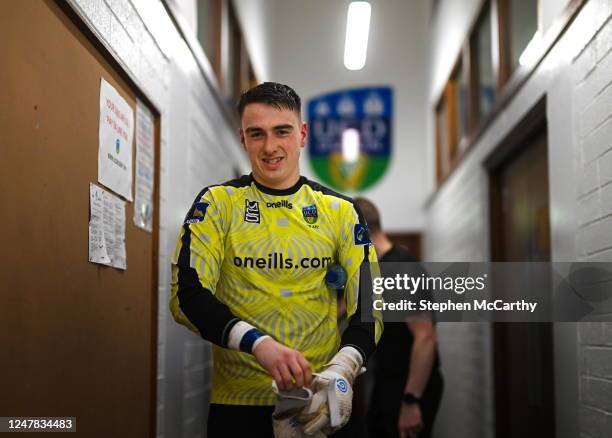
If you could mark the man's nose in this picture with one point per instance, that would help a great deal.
(269, 146)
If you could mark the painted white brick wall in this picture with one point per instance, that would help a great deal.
(576, 78)
(457, 232)
(593, 93)
(463, 412)
(595, 379)
(592, 73)
(198, 147)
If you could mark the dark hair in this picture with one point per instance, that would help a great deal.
(370, 213)
(271, 93)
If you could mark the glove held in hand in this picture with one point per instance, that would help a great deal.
(331, 405)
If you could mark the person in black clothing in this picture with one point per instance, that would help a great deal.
(407, 380)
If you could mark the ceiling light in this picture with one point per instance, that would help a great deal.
(350, 145)
(357, 30)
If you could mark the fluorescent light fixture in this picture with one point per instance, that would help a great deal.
(357, 30)
(350, 145)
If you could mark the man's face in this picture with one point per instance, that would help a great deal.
(273, 139)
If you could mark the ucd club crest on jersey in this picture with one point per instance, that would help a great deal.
(350, 136)
(310, 214)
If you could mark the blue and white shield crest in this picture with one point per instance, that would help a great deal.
(350, 136)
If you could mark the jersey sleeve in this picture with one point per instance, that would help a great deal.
(356, 254)
(196, 267)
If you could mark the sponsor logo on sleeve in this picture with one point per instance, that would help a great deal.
(198, 213)
(361, 235)
(251, 212)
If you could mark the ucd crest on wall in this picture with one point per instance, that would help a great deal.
(350, 136)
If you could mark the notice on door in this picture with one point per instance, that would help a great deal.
(106, 228)
(115, 137)
(145, 159)
(98, 253)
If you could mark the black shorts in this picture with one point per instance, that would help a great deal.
(234, 421)
(229, 421)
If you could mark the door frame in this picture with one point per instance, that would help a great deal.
(565, 335)
(531, 126)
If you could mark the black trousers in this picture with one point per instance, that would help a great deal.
(230, 421)
(235, 421)
(385, 404)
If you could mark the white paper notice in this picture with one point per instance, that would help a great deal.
(145, 159)
(106, 228)
(115, 136)
(97, 243)
(118, 255)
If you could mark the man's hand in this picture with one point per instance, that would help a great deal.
(289, 368)
(410, 422)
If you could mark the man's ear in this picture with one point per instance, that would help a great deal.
(242, 139)
(303, 134)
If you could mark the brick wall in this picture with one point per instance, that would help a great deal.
(596, 380)
(456, 232)
(592, 76)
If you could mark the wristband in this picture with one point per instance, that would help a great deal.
(244, 337)
(411, 399)
(248, 340)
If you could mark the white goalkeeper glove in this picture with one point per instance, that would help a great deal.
(286, 406)
(331, 405)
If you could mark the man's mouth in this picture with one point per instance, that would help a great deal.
(272, 160)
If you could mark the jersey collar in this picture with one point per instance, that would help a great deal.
(279, 192)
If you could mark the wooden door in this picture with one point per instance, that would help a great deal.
(77, 339)
(523, 352)
(412, 241)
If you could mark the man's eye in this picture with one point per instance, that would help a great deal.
(282, 132)
(255, 135)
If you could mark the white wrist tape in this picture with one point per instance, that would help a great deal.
(354, 353)
(348, 362)
(244, 337)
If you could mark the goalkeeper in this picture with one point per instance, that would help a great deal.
(248, 275)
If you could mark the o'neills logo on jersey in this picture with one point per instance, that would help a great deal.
(251, 211)
(280, 204)
(277, 260)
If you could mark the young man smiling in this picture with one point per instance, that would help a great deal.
(273, 138)
(248, 275)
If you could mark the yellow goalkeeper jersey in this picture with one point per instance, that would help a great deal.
(247, 252)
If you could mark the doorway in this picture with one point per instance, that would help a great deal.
(520, 231)
(410, 241)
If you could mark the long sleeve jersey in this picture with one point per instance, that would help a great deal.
(260, 255)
